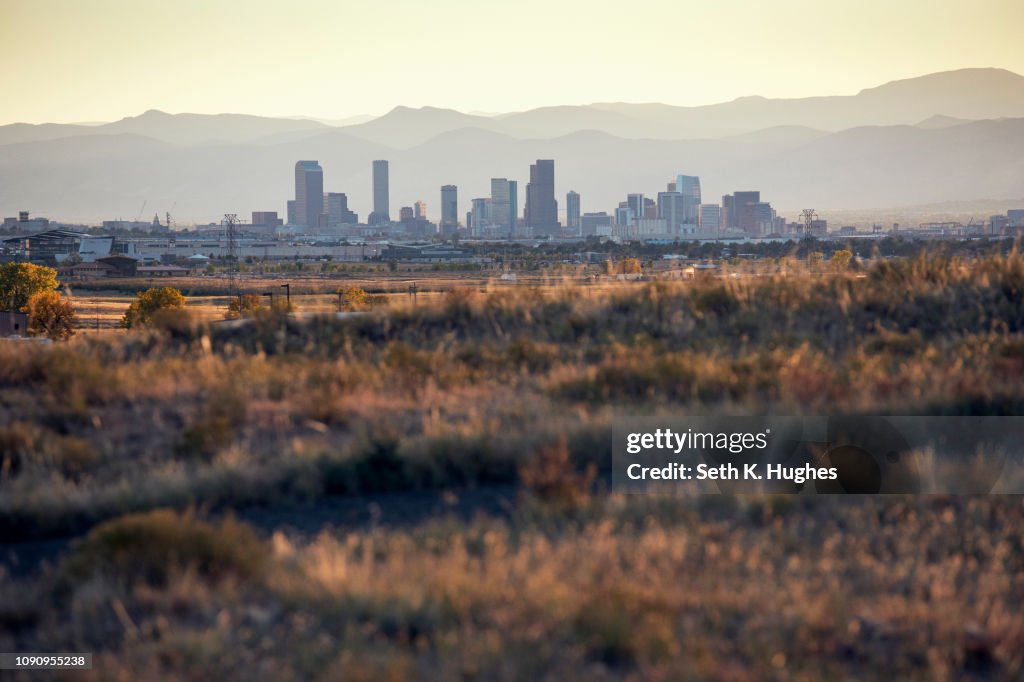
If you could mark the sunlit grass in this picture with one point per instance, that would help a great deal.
(489, 386)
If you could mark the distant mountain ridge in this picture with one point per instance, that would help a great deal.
(990, 93)
(952, 136)
(184, 129)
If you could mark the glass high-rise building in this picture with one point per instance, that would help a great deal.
(635, 204)
(738, 211)
(336, 208)
(504, 203)
(381, 201)
(572, 211)
(449, 207)
(541, 205)
(309, 193)
(689, 187)
(672, 209)
(480, 216)
(746, 211)
(709, 217)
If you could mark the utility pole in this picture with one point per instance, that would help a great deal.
(809, 216)
(288, 294)
(231, 235)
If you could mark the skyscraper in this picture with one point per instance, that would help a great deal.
(689, 187)
(541, 205)
(728, 218)
(420, 210)
(764, 217)
(336, 208)
(309, 193)
(709, 217)
(572, 211)
(381, 202)
(746, 211)
(449, 207)
(672, 209)
(480, 216)
(635, 204)
(504, 204)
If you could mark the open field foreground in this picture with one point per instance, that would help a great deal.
(178, 488)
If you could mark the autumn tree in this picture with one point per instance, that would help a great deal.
(149, 303)
(51, 315)
(245, 305)
(353, 298)
(841, 259)
(21, 281)
(626, 266)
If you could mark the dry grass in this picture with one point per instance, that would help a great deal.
(475, 389)
(922, 588)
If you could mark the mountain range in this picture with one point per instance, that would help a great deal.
(955, 135)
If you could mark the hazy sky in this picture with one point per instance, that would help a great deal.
(100, 60)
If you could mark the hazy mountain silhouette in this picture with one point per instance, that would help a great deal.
(404, 127)
(969, 94)
(187, 129)
(966, 93)
(917, 147)
(940, 121)
(107, 176)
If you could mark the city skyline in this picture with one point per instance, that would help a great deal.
(892, 146)
(210, 65)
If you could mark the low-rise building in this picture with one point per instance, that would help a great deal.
(13, 323)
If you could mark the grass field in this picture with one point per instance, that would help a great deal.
(421, 492)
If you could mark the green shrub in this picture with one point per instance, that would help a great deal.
(152, 547)
(147, 303)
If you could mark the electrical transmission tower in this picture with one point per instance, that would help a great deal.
(231, 235)
(809, 216)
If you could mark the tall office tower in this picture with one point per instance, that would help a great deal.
(337, 211)
(650, 209)
(480, 215)
(746, 215)
(504, 203)
(405, 214)
(381, 202)
(709, 217)
(513, 206)
(728, 211)
(764, 217)
(309, 193)
(671, 208)
(572, 211)
(689, 187)
(420, 210)
(541, 205)
(449, 207)
(635, 204)
(290, 215)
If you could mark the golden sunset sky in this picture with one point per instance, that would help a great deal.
(101, 60)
